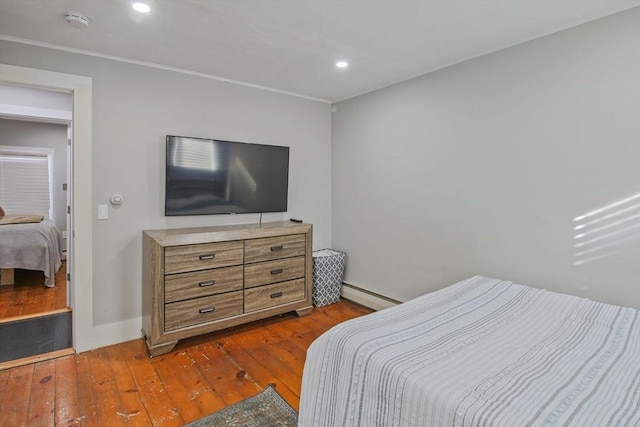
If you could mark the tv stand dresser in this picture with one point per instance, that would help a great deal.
(200, 280)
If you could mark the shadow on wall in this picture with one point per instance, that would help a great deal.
(607, 230)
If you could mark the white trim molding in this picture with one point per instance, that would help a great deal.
(81, 299)
(21, 112)
(115, 333)
(158, 66)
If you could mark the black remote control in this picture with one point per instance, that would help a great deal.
(295, 220)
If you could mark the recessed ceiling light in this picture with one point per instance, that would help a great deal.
(342, 64)
(141, 7)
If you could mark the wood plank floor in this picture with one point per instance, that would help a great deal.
(120, 385)
(29, 295)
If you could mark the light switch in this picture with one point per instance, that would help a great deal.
(103, 211)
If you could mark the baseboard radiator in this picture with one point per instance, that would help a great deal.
(366, 297)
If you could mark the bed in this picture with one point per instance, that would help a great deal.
(482, 352)
(32, 246)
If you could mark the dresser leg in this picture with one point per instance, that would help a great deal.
(157, 350)
(304, 311)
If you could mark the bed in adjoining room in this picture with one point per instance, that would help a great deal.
(31, 244)
(481, 352)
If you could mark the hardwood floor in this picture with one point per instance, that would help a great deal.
(29, 295)
(120, 385)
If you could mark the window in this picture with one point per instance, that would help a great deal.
(26, 181)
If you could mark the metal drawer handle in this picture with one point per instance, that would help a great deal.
(276, 248)
(276, 295)
(209, 256)
(207, 310)
(207, 283)
(278, 271)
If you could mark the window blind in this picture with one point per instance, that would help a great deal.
(24, 184)
(197, 154)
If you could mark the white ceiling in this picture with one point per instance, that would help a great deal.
(292, 45)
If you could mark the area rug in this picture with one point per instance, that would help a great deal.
(266, 409)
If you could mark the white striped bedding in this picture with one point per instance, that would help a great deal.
(482, 352)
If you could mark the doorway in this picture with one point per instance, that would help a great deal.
(79, 232)
(35, 314)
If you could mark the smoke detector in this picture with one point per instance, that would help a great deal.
(76, 20)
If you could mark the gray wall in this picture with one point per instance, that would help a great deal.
(35, 98)
(32, 134)
(134, 108)
(486, 167)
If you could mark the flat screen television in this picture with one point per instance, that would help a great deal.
(209, 176)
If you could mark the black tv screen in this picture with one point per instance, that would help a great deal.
(209, 176)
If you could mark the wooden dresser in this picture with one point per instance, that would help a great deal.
(199, 280)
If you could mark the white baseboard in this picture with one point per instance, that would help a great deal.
(127, 330)
(115, 333)
(367, 298)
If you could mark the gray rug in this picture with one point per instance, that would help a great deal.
(266, 409)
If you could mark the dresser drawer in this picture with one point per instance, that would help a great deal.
(202, 283)
(280, 270)
(273, 295)
(201, 310)
(180, 259)
(270, 248)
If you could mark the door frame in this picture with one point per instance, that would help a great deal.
(81, 280)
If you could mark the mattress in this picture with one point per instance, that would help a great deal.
(482, 352)
(33, 247)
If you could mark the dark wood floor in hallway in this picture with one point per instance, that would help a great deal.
(120, 385)
(29, 296)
